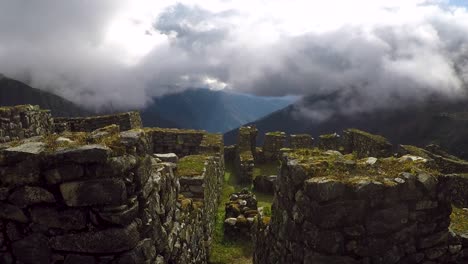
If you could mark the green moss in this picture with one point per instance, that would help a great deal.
(246, 155)
(212, 140)
(347, 168)
(413, 150)
(191, 165)
(173, 130)
(276, 134)
(270, 168)
(224, 250)
(376, 138)
(459, 220)
(329, 136)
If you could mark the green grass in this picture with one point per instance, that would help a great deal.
(227, 251)
(191, 165)
(267, 169)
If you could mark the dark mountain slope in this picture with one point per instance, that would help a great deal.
(214, 111)
(439, 121)
(14, 92)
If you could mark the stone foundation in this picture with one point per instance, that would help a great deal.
(24, 121)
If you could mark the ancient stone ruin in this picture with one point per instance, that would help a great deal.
(245, 153)
(336, 208)
(24, 121)
(109, 196)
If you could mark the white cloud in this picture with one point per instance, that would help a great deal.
(123, 52)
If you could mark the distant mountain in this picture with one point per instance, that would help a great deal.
(14, 92)
(214, 111)
(438, 121)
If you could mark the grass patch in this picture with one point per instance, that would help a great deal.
(459, 219)
(191, 165)
(227, 251)
(270, 168)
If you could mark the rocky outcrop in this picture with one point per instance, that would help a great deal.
(24, 121)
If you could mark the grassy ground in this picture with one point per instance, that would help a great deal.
(227, 251)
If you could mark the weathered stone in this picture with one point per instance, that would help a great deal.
(167, 157)
(94, 192)
(64, 173)
(21, 173)
(33, 249)
(143, 253)
(433, 239)
(28, 150)
(111, 240)
(121, 217)
(322, 189)
(85, 154)
(79, 259)
(27, 195)
(387, 220)
(11, 212)
(68, 219)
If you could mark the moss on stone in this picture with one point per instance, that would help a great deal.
(190, 166)
(270, 168)
(459, 220)
(246, 155)
(349, 169)
(173, 130)
(212, 140)
(329, 136)
(376, 138)
(276, 134)
(413, 150)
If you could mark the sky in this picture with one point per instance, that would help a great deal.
(125, 52)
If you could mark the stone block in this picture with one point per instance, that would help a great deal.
(94, 192)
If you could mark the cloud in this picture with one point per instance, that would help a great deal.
(371, 52)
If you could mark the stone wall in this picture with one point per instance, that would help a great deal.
(244, 165)
(179, 141)
(247, 139)
(240, 213)
(301, 141)
(24, 121)
(65, 200)
(125, 121)
(273, 143)
(245, 153)
(203, 185)
(393, 217)
(330, 142)
(365, 144)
